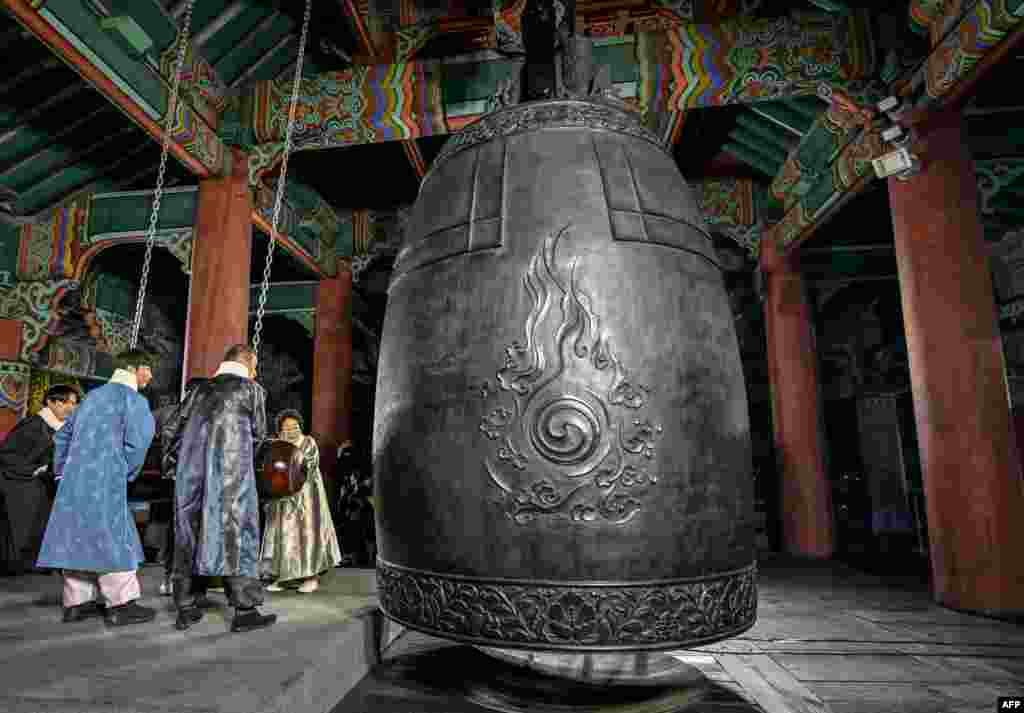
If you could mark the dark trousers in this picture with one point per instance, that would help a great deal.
(242, 592)
(27, 503)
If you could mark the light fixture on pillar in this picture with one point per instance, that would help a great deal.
(900, 163)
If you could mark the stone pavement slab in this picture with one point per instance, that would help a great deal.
(321, 645)
(828, 639)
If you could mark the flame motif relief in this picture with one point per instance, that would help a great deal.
(565, 416)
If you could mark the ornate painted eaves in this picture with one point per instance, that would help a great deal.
(144, 94)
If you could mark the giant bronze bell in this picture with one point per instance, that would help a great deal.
(561, 444)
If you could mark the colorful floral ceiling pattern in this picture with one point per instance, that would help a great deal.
(358, 105)
(986, 24)
(748, 59)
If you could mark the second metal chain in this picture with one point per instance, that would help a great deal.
(282, 177)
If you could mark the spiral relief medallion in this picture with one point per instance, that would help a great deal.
(566, 422)
(566, 431)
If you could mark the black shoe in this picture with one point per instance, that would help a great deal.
(187, 616)
(130, 613)
(89, 610)
(251, 619)
(203, 601)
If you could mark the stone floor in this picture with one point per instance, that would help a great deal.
(828, 639)
(319, 648)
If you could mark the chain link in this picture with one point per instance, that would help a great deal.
(279, 198)
(162, 171)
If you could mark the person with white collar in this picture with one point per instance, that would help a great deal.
(26, 457)
(217, 527)
(91, 536)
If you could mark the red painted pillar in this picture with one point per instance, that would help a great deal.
(14, 374)
(332, 365)
(221, 265)
(972, 473)
(793, 366)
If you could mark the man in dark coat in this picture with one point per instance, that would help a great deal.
(167, 428)
(26, 458)
(216, 506)
(91, 534)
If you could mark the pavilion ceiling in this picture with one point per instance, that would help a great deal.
(59, 136)
(44, 157)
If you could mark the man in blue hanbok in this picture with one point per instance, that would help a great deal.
(91, 535)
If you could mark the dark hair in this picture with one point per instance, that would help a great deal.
(134, 359)
(286, 414)
(61, 393)
(239, 352)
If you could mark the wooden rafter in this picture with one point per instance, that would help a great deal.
(415, 156)
(363, 34)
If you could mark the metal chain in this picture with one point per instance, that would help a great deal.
(279, 198)
(164, 151)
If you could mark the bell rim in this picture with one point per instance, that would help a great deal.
(737, 595)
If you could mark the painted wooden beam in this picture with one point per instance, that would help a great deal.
(260, 63)
(123, 157)
(44, 173)
(291, 246)
(768, 131)
(261, 29)
(415, 156)
(755, 141)
(229, 13)
(755, 159)
(222, 19)
(28, 16)
(360, 27)
(28, 72)
(40, 109)
(51, 139)
(784, 117)
(982, 38)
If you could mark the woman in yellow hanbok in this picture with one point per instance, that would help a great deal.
(299, 542)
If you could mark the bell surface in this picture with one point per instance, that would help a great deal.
(561, 437)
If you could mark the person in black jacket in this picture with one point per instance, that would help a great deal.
(26, 476)
(168, 426)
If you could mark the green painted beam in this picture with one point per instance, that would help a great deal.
(1016, 188)
(755, 143)
(30, 142)
(1007, 203)
(811, 107)
(471, 81)
(284, 296)
(233, 65)
(151, 17)
(23, 121)
(234, 33)
(621, 59)
(129, 211)
(49, 164)
(82, 29)
(755, 159)
(29, 71)
(768, 131)
(783, 116)
(43, 194)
